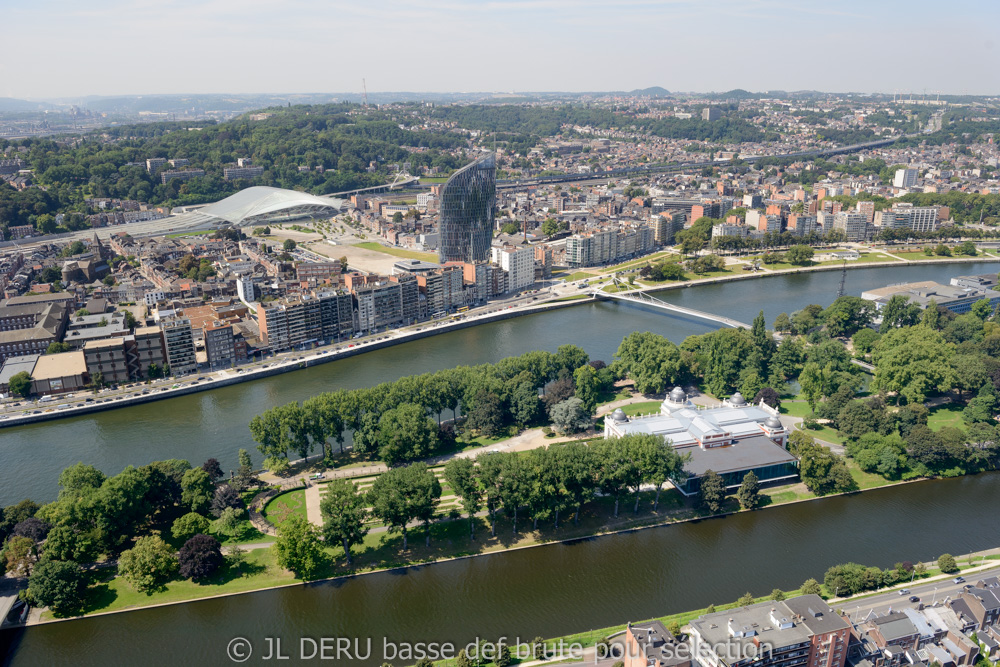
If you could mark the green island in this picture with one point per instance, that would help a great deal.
(474, 460)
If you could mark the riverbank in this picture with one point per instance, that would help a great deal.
(291, 361)
(444, 533)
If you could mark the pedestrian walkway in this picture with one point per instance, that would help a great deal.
(313, 515)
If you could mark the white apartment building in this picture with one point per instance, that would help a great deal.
(518, 262)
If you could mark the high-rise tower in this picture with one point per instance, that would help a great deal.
(468, 203)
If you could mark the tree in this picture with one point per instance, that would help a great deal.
(197, 490)
(782, 323)
(56, 348)
(810, 587)
(402, 495)
(212, 467)
(650, 360)
(769, 396)
(58, 585)
(289, 245)
(712, 492)
(200, 557)
(899, 312)
(777, 595)
(225, 496)
(486, 415)
(406, 433)
(982, 309)
(298, 547)
(461, 475)
(344, 514)
(189, 525)
(847, 315)
(822, 471)
(147, 564)
(864, 341)
(800, 255)
(946, 563)
(749, 492)
(745, 600)
(914, 361)
(228, 522)
(588, 387)
(570, 416)
(20, 384)
(20, 554)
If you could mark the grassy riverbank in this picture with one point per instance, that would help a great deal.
(449, 539)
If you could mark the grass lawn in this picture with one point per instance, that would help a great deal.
(865, 480)
(825, 433)
(915, 255)
(795, 409)
(283, 507)
(202, 233)
(716, 274)
(398, 252)
(641, 261)
(643, 408)
(433, 179)
(579, 275)
(946, 415)
(575, 297)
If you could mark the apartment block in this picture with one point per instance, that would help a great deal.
(519, 264)
(234, 173)
(853, 224)
(178, 340)
(181, 175)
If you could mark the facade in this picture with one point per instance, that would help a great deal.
(853, 224)
(180, 175)
(178, 340)
(519, 264)
(149, 350)
(234, 173)
(378, 306)
(219, 345)
(108, 360)
(468, 200)
(957, 299)
(800, 632)
(666, 225)
(905, 178)
(731, 439)
(608, 246)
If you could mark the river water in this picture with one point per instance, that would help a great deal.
(214, 423)
(544, 591)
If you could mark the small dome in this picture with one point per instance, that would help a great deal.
(619, 415)
(773, 422)
(737, 399)
(677, 395)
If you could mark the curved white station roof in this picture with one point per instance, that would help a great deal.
(261, 203)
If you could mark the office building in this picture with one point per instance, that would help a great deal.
(468, 200)
(905, 178)
(853, 224)
(956, 298)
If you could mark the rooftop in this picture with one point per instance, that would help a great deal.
(51, 366)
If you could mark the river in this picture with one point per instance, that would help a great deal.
(547, 591)
(214, 423)
(544, 591)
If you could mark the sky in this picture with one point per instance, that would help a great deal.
(65, 48)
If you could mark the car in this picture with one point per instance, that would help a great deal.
(904, 591)
(914, 598)
(967, 586)
(958, 580)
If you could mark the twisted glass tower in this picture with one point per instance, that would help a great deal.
(468, 200)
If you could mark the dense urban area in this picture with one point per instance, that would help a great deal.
(148, 255)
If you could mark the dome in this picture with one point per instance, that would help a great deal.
(737, 399)
(677, 395)
(619, 415)
(773, 422)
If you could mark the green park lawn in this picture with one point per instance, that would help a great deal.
(644, 408)
(283, 507)
(579, 275)
(945, 415)
(398, 252)
(795, 409)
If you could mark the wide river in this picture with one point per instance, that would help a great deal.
(544, 591)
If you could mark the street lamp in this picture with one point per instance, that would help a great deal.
(934, 599)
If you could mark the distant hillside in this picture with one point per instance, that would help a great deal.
(10, 104)
(655, 91)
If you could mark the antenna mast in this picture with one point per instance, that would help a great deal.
(843, 278)
(364, 87)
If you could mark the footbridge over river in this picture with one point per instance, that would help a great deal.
(644, 299)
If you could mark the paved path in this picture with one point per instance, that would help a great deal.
(313, 514)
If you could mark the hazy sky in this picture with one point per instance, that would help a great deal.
(71, 48)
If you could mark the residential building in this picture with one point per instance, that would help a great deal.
(107, 361)
(519, 264)
(220, 347)
(154, 163)
(378, 306)
(711, 113)
(336, 309)
(291, 322)
(665, 225)
(234, 173)
(853, 224)
(651, 644)
(180, 174)
(178, 340)
(800, 632)
(468, 200)
(319, 271)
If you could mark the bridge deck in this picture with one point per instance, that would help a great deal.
(647, 300)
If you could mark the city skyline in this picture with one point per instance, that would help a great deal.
(530, 45)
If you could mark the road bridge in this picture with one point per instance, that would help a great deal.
(641, 298)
